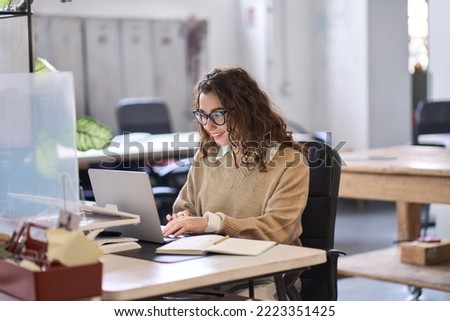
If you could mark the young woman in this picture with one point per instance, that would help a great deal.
(249, 178)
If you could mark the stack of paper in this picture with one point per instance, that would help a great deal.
(116, 244)
(99, 218)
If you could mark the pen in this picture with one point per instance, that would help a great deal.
(221, 239)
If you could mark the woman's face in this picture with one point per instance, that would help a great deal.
(209, 103)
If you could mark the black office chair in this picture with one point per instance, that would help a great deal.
(151, 115)
(430, 117)
(143, 114)
(319, 283)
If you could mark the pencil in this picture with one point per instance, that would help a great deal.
(221, 239)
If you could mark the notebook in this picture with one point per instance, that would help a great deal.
(130, 191)
(213, 243)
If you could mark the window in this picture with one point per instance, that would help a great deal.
(418, 34)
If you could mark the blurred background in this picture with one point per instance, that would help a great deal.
(355, 68)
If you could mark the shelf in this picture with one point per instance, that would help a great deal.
(11, 14)
(28, 13)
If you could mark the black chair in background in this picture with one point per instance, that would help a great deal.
(143, 114)
(319, 283)
(431, 117)
(151, 115)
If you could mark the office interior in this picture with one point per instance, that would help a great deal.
(344, 67)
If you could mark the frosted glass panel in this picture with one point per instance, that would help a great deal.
(38, 163)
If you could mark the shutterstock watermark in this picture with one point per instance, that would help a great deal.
(127, 154)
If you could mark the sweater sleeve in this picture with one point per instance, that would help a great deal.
(281, 217)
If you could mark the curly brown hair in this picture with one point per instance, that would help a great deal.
(252, 122)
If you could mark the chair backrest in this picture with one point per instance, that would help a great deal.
(431, 117)
(318, 220)
(143, 114)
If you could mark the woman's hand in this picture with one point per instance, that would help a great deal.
(180, 214)
(183, 222)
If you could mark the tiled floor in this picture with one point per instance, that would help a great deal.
(372, 227)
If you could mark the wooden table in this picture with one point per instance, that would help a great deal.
(408, 175)
(385, 265)
(126, 278)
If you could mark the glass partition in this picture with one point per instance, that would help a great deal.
(38, 161)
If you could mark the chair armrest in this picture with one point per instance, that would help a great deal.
(164, 191)
(332, 258)
(333, 253)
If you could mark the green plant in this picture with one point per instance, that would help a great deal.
(92, 134)
(5, 5)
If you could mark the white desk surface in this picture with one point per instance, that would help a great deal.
(127, 278)
(435, 139)
(156, 146)
(140, 145)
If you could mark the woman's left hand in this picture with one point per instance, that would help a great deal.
(181, 224)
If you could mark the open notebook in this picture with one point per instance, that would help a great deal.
(212, 243)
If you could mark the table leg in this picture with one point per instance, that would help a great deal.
(408, 220)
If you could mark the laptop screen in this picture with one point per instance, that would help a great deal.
(131, 192)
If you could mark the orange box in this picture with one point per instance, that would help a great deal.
(57, 283)
(425, 253)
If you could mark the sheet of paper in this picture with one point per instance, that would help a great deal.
(71, 248)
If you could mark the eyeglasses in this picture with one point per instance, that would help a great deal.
(217, 117)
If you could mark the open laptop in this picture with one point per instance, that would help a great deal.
(130, 191)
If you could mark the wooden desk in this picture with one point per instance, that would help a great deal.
(385, 265)
(127, 278)
(407, 175)
(141, 145)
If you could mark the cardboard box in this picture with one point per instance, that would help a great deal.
(57, 283)
(425, 253)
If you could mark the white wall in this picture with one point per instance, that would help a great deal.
(291, 73)
(341, 70)
(390, 100)
(316, 58)
(360, 80)
(439, 49)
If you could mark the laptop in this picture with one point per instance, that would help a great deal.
(130, 191)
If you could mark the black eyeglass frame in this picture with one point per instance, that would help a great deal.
(198, 111)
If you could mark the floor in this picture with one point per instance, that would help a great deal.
(369, 227)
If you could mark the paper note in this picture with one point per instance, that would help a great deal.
(71, 248)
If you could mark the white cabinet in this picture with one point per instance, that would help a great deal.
(14, 44)
(59, 41)
(114, 58)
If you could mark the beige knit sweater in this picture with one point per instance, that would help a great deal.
(252, 204)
